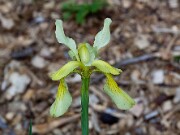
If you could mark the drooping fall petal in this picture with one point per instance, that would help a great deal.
(105, 67)
(120, 98)
(63, 100)
(65, 70)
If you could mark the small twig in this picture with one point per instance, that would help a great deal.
(47, 127)
(165, 30)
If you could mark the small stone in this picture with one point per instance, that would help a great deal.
(173, 3)
(158, 77)
(137, 109)
(167, 106)
(18, 84)
(38, 62)
(151, 115)
(126, 3)
(177, 96)
(178, 125)
(10, 115)
(7, 23)
(45, 52)
(142, 42)
(93, 99)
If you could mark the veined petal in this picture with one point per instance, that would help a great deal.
(69, 42)
(120, 98)
(65, 70)
(92, 53)
(63, 100)
(72, 55)
(102, 38)
(105, 67)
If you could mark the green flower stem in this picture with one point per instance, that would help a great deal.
(84, 105)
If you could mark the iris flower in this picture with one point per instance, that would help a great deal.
(84, 62)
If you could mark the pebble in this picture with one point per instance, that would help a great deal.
(126, 3)
(158, 76)
(141, 42)
(38, 62)
(178, 125)
(167, 106)
(7, 23)
(18, 84)
(45, 52)
(177, 96)
(93, 99)
(10, 115)
(17, 106)
(151, 115)
(137, 109)
(173, 3)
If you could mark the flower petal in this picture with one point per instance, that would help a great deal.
(102, 38)
(63, 100)
(69, 42)
(105, 67)
(65, 70)
(120, 98)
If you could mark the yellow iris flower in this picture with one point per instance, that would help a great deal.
(84, 62)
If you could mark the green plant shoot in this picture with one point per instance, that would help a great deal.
(85, 62)
(80, 11)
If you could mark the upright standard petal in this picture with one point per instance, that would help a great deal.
(105, 67)
(102, 38)
(65, 70)
(63, 100)
(120, 98)
(69, 42)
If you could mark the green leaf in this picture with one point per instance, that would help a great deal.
(103, 37)
(30, 127)
(65, 70)
(80, 16)
(69, 42)
(63, 100)
(119, 97)
(105, 67)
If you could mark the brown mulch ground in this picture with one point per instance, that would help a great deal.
(145, 44)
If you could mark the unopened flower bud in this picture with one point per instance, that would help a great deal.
(83, 53)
